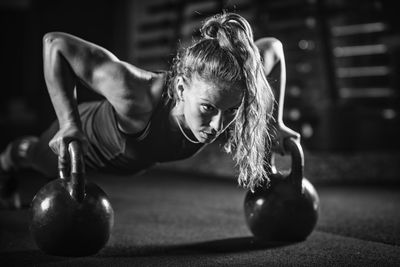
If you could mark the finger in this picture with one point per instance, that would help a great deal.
(62, 168)
(53, 146)
(294, 134)
(63, 155)
(63, 159)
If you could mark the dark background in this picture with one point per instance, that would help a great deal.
(342, 63)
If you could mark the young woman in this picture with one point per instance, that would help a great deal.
(216, 85)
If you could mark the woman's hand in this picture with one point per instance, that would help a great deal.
(59, 143)
(281, 133)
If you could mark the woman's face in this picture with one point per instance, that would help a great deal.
(208, 107)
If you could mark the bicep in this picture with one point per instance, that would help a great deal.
(82, 56)
(121, 83)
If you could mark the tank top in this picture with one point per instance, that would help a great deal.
(111, 150)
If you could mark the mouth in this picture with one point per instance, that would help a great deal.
(208, 135)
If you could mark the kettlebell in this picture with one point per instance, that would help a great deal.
(287, 208)
(70, 216)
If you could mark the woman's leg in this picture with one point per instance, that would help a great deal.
(31, 152)
(41, 158)
(25, 152)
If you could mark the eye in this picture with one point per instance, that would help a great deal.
(232, 110)
(207, 108)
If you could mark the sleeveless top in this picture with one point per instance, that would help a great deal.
(111, 150)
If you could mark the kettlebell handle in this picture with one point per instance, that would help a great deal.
(76, 178)
(297, 168)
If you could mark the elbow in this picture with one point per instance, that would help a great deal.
(271, 52)
(269, 43)
(48, 38)
(51, 40)
(276, 43)
(273, 45)
(271, 49)
(52, 46)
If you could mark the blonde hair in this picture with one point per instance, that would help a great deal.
(226, 53)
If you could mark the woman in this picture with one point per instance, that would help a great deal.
(215, 86)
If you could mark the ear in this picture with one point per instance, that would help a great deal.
(180, 87)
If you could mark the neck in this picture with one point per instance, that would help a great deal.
(184, 134)
(179, 117)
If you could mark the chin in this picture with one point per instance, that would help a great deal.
(205, 139)
(202, 140)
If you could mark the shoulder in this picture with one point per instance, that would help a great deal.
(136, 107)
(132, 90)
(158, 85)
(154, 84)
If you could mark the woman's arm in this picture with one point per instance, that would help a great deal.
(271, 51)
(68, 59)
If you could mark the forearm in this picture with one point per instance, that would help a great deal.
(60, 81)
(272, 53)
(278, 48)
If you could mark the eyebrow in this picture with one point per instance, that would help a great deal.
(208, 101)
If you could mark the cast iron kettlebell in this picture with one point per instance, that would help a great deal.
(287, 209)
(70, 216)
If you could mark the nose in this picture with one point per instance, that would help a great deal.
(216, 122)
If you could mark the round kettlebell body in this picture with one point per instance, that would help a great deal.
(287, 208)
(281, 212)
(61, 225)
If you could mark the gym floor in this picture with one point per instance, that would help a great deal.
(169, 219)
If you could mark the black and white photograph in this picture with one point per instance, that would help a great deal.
(199, 133)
